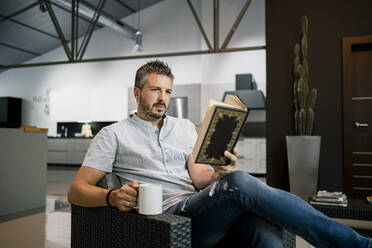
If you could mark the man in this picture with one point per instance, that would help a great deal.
(227, 207)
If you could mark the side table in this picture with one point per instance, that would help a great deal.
(108, 227)
(356, 210)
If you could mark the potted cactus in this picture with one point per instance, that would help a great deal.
(303, 149)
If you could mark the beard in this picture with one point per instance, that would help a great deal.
(147, 110)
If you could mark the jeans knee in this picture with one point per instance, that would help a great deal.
(237, 176)
(243, 182)
(240, 179)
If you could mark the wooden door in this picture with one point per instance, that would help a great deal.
(357, 102)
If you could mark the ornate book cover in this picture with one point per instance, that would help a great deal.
(222, 134)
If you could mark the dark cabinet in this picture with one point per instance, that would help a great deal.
(10, 112)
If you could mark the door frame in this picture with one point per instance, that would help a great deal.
(347, 43)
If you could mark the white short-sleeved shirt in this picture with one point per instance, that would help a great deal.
(136, 150)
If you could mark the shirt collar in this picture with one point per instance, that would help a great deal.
(144, 123)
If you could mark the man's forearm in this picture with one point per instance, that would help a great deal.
(204, 178)
(87, 195)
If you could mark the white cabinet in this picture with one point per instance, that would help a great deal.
(67, 151)
(252, 155)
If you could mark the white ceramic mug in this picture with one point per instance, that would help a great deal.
(150, 199)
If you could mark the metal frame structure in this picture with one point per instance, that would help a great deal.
(58, 29)
(89, 33)
(75, 55)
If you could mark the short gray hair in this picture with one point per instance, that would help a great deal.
(156, 66)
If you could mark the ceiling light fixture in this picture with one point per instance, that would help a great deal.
(137, 48)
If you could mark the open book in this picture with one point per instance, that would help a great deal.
(220, 130)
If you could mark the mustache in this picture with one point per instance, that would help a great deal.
(159, 104)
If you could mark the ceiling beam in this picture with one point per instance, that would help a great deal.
(69, 11)
(58, 28)
(88, 35)
(216, 24)
(236, 24)
(28, 26)
(88, 10)
(74, 28)
(145, 56)
(200, 26)
(78, 58)
(22, 10)
(19, 49)
(127, 6)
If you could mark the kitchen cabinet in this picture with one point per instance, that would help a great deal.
(23, 170)
(67, 150)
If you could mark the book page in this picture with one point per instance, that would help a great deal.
(223, 104)
(235, 101)
(203, 129)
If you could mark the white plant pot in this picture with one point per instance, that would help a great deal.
(303, 164)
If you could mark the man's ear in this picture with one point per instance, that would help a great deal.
(137, 93)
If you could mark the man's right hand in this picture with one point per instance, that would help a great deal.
(125, 198)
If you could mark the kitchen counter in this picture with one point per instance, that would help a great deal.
(23, 159)
(67, 151)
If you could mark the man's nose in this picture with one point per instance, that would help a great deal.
(161, 96)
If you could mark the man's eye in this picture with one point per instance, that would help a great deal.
(168, 92)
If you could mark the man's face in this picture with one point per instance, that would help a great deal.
(153, 99)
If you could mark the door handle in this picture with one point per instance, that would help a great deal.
(358, 125)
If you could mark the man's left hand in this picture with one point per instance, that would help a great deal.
(221, 171)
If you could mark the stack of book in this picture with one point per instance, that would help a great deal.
(369, 199)
(329, 198)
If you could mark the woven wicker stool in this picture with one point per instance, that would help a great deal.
(108, 227)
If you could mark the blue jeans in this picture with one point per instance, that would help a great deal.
(240, 209)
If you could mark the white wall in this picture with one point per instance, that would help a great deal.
(98, 91)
